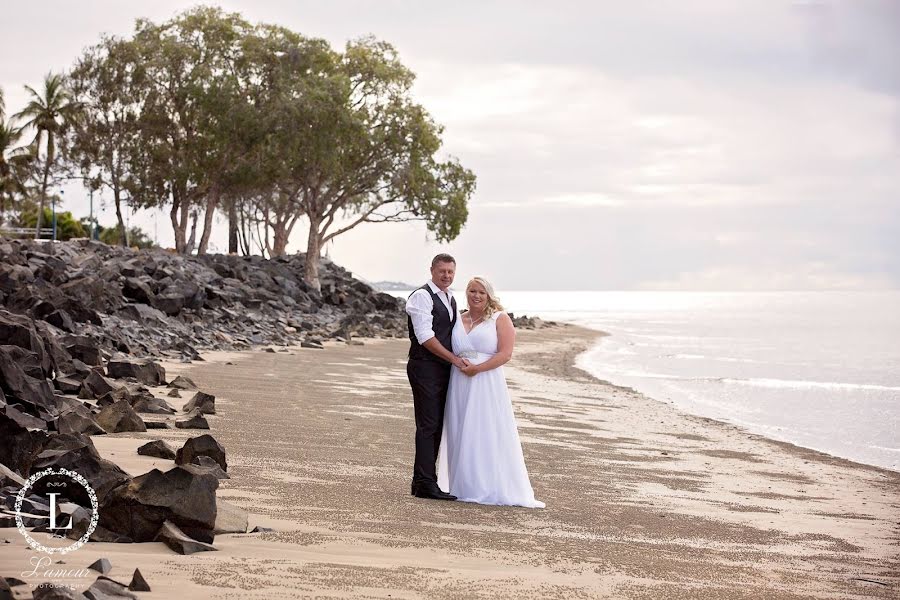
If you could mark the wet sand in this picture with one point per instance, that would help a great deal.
(643, 501)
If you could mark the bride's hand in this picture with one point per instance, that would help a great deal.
(470, 370)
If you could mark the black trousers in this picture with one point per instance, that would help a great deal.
(429, 380)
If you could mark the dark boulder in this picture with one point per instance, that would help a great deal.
(119, 417)
(145, 371)
(96, 385)
(203, 445)
(78, 419)
(20, 446)
(205, 403)
(157, 449)
(176, 539)
(192, 420)
(76, 452)
(183, 383)
(140, 507)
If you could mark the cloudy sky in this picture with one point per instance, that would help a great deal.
(711, 145)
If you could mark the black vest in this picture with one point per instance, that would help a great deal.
(442, 325)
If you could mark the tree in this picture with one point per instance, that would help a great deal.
(49, 113)
(355, 146)
(196, 120)
(14, 163)
(101, 141)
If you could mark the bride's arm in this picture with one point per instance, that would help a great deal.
(506, 339)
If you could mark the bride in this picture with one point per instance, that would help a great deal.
(480, 457)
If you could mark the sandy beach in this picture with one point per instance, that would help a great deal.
(643, 501)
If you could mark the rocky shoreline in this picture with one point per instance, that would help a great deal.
(83, 326)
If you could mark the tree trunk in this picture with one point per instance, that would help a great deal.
(312, 254)
(212, 201)
(232, 227)
(123, 235)
(190, 243)
(179, 217)
(40, 215)
(280, 238)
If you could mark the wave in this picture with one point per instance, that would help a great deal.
(802, 384)
(763, 382)
(716, 358)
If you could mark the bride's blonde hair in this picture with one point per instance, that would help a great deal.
(493, 303)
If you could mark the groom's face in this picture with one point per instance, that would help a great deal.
(442, 274)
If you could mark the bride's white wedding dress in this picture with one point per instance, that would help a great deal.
(480, 457)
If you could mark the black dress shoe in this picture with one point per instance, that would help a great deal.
(430, 490)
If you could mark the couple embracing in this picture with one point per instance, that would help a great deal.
(467, 444)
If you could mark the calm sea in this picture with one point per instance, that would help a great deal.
(818, 369)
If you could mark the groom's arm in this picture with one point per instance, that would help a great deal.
(419, 307)
(436, 348)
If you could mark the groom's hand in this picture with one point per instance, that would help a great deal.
(460, 363)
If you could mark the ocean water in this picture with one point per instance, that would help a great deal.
(817, 369)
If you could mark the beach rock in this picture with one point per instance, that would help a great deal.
(83, 349)
(174, 393)
(205, 403)
(20, 446)
(15, 383)
(205, 464)
(138, 583)
(67, 385)
(26, 360)
(139, 508)
(76, 452)
(22, 418)
(143, 370)
(203, 445)
(173, 537)
(81, 520)
(19, 330)
(148, 403)
(158, 449)
(105, 588)
(61, 319)
(78, 419)
(230, 518)
(101, 565)
(10, 477)
(96, 385)
(183, 383)
(192, 420)
(138, 289)
(157, 424)
(119, 417)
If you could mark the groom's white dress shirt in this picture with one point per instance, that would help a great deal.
(419, 307)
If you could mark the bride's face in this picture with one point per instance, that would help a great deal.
(476, 296)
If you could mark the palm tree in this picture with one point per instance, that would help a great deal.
(13, 161)
(49, 114)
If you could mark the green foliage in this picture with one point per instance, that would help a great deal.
(67, 227)
(136, 237)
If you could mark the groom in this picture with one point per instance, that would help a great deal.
(431, 311)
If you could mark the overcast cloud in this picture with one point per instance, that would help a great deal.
(639, 145)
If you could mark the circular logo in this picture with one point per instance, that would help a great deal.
(94, 508)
